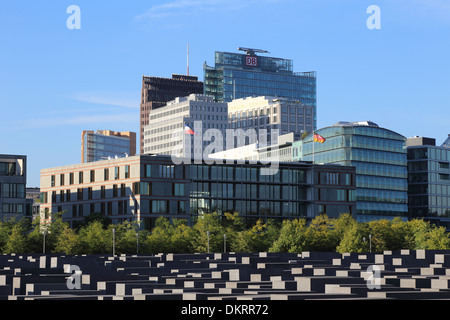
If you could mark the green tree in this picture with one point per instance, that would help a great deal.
(67, 242)
(94, 239)
(321, 234)
(181, 237)
(159, 240)
(208, 223)
(355, 239)
(258, 238)
(426, 236)
(18, 239)
(5, 232)
(292, 237)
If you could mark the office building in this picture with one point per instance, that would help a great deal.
(145, 187)
(156, 92)
(379, 156)
(429, 180)
(236, 76)
(166, 135)
(13, 179)
(104, 144)
(272, 113)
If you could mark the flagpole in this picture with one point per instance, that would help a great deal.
(313, 179)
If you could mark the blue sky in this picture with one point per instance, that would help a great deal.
(56, 82)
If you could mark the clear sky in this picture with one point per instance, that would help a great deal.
(56, 82)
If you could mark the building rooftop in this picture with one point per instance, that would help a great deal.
(357, 123)
(446, 143)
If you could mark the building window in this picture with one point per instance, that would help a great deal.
(13, 190)
(159, 206)
(127, 172)
(179, 189)
(90, 193)
(115, 190)
(92, 175)
(80, 177)
(7, 168)
(122, 190)
(61, 179)
(102, 192)
(12, 208)
(53, 180)
(106, 174)
(116, 173)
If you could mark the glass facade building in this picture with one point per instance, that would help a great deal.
(105, 144)
(236, 76)
(379, 156)
(429, 181)
(13, 202)
(149, 186)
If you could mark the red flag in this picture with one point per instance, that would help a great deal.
(319, 138)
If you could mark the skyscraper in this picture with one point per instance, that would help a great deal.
(104, 144)
(236, 76)
(156, 92)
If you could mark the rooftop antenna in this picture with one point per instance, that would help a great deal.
(188, 58)
(251, 51)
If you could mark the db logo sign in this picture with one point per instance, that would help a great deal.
(251, 61)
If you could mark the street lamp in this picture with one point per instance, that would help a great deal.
(207, 235)
(224, 243)
(43, 243)
(114, 241)
(137, 242)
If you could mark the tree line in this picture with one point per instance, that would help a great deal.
(213, 232)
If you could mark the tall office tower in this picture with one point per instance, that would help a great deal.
(156, 92)
(379, 156)
(429, 181)
(104, 144)
(13, 179)
(236, 76)
(272, 113)
(166, 132)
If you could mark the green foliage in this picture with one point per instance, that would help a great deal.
(292, 237)
(17, 241)
(355, 239)
(343, 234)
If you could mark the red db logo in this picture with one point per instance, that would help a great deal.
(251, 61)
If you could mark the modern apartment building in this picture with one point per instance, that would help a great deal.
(379, 156)
(166, 132)
(156, 92)
(104, 144)
(145, 187)
(429, 180)
(236, 76)
(13, 179)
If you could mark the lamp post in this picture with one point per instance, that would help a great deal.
(207, 235)
(43, 243)
(137, 242)
(114, 241)
(370, 243)
(224, 243)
